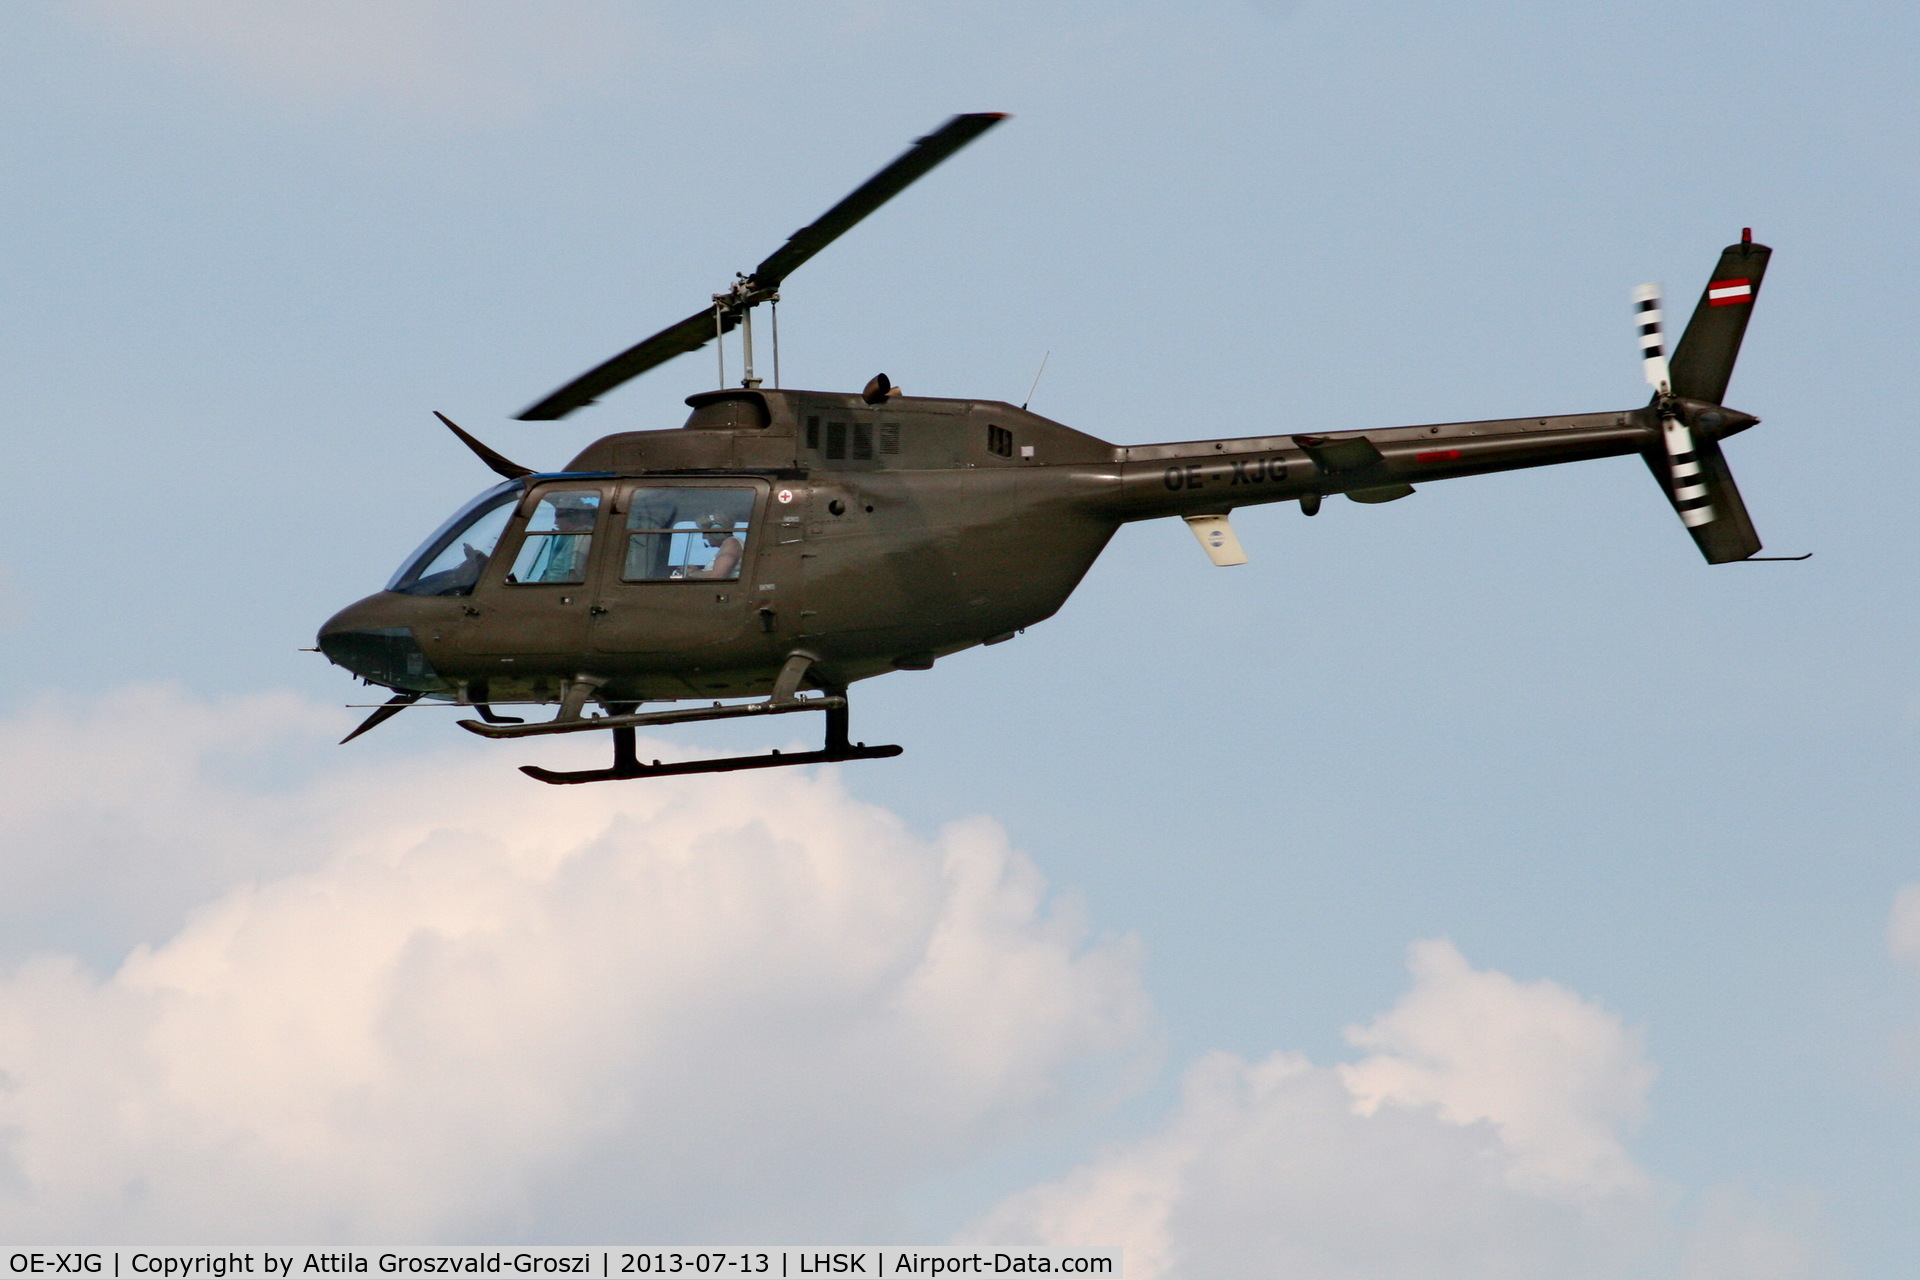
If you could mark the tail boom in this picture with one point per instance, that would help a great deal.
(1209, 476)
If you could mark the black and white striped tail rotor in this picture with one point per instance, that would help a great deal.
(1689, 482)
(1653, 351)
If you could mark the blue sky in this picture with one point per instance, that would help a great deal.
(248, 250)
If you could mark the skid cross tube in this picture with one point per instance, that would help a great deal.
(647, 719)
(626, 760)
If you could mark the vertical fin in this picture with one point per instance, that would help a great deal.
(1702, 363)
(1730, 534)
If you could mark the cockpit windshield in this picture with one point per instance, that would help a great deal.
(450, 562)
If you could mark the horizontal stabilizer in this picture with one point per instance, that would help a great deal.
(1385, 493)
(1356, 455)
(1356, 466)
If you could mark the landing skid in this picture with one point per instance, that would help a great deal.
(626, 763)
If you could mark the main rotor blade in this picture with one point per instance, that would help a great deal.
(701, 328)
(696, 331)
(883, 186)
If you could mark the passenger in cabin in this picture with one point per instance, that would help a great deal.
(559, 539)
(718, 531)
(569, 561)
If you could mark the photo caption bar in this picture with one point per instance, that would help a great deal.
(606, 1262)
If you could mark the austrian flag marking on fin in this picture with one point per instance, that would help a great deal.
(1727, 293)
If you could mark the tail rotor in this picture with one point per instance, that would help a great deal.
(1653, 350)
(1687, 395)
(1687, 482)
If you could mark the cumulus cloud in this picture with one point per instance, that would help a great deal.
(355, 998)
(744, 1007)
(1558, 1079)
(117, 817)
(1480, 1138)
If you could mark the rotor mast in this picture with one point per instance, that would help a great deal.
(741, 300)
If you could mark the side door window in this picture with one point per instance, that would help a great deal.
(691, 533)
(559, 538)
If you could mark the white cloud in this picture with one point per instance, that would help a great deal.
(1903, 925)
(118, 816)
(1558, 1078)
(409, 999)
(1479, 1139)
(689, 1009)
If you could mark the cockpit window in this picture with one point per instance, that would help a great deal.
(449, 562)
(691, 532)
(559, 538)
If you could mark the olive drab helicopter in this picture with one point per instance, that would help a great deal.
(784, 544)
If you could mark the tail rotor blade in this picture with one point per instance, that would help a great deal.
(1728, 534)
(1684, 480)
(1688, 478)
(1653, 351)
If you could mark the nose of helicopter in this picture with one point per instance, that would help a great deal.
(368, 639)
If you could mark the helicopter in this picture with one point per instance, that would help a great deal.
(783, 544)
